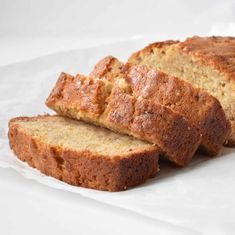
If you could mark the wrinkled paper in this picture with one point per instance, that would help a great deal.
(198, 198)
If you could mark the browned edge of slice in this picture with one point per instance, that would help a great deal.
(123, 113)
(82, 168)
(196, 105)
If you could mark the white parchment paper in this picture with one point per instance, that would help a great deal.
(199, 199)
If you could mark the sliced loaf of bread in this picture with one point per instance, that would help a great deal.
(82, 154)
(196, 105)
(112, 105)
(206, 62)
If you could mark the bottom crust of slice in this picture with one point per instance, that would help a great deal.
(83, 168)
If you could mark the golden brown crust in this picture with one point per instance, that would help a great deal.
(177, 138)
(89, 98)
(102, 67)
(140, 117)
(105, 66)
(197, 106)
(120, 108)
(84, 168)
(122, 113)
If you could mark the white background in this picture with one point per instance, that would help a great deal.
(29, 29)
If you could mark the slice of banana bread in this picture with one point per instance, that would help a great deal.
(206, 62)
(82, 154)
(113, 106)
(196, 105)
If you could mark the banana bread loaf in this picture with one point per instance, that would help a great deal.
(196, 105)
(113, 106)
(206, 62)
(82, 154)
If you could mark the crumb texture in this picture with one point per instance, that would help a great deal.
(101, 160)
(78, 135)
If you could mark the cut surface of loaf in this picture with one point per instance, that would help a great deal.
(82, 154)
(196, 105)
(111, 105)
(206, 62)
